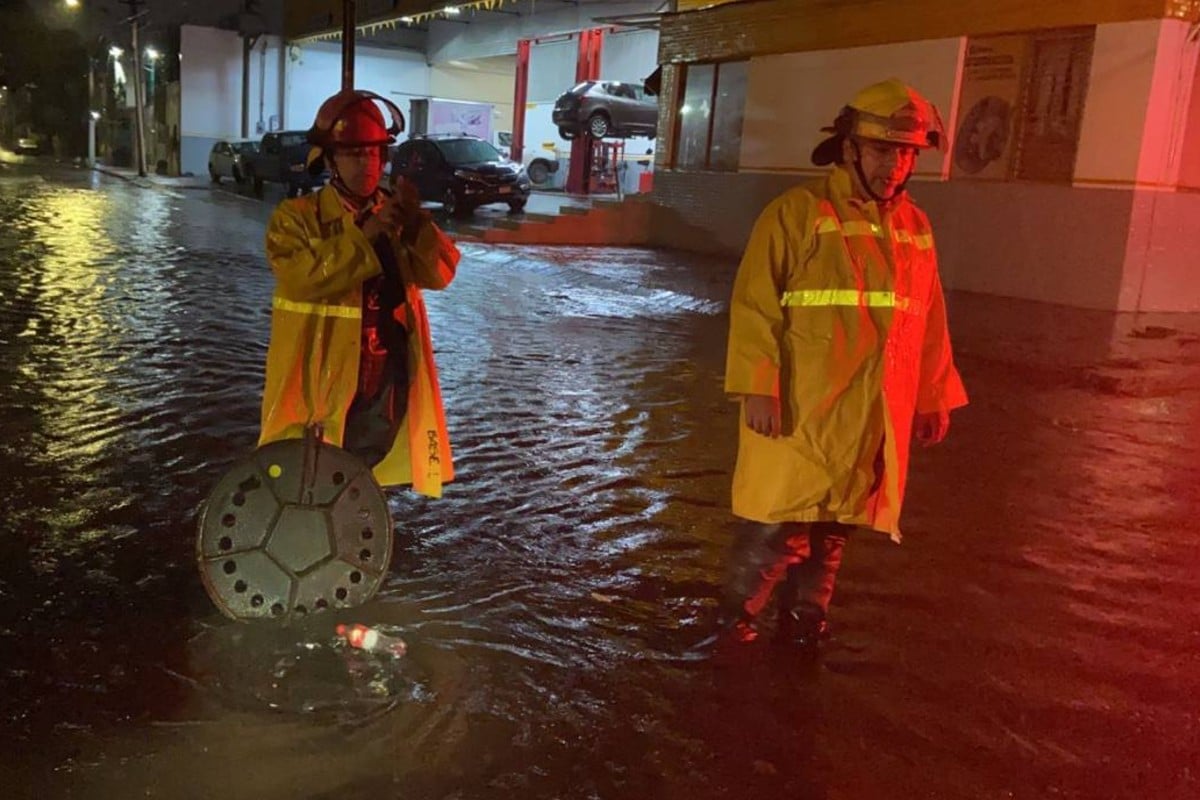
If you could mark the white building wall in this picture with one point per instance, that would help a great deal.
(210, 92)
(484, 80)
(313, 72)
(1164, 236)
(266, 85)
(1189, 167)
(629, 55)
(782, 124)
(552, 69)
(1110, 138)
(1170, 97)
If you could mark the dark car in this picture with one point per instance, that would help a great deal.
(461, 172)
(606, 108)
(282, 158)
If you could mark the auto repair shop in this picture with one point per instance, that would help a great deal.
(444, 64)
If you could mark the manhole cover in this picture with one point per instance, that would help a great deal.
(296, 528)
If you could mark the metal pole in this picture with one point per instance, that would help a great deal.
(245, 86)
(91, 111)
(348, 20)
(139, 103)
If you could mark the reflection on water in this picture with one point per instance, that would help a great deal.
(1036, 636)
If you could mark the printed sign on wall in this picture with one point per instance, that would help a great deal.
(984, 134)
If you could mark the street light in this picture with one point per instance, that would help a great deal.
(152, 57)
(115, 51)
(93, 118)
(72, 3)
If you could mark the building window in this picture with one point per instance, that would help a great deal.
(695, 117)
(1053, 108)
(713, 100)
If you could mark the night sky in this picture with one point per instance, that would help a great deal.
(107, 18)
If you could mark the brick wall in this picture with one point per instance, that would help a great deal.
(711, 212)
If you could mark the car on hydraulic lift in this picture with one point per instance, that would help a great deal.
(604, 109)
(461, 172)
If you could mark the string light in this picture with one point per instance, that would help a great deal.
(446, 12)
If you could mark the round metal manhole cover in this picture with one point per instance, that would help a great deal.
(296, 528)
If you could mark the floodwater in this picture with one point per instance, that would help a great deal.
(1037, 635)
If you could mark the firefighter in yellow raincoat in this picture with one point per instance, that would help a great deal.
(350, 346)
(839, 353)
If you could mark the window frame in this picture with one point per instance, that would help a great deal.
(677, 123)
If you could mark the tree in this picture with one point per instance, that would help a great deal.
(47, 69)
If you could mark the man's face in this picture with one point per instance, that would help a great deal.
(359, 167)
(885, 165)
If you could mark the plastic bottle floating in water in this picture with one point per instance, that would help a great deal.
(371, 640)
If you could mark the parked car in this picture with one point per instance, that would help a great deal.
(606, 108)
(461, 172)
(30, 144)
(281, 158)
(540, 162)
(225, 159)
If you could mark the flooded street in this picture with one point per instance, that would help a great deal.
(1036, 636)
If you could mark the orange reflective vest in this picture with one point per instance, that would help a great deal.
(837, 310)
(320, 259)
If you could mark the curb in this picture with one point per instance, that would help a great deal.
(144, 182)
(136, 180)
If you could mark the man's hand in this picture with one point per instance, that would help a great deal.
(408, 200)
(931, 428)
(763, 415)
(386, 220)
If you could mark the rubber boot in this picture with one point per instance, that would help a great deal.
(808, 588)
(803, 627)
(758, 561)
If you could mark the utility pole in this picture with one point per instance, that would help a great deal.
(139, 101)
(247, 46)
(348, 22)
(91, 109)
(249, 7)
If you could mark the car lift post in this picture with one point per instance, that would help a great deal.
(587, 68)
(520, 98)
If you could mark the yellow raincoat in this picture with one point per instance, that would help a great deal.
(320, 259)
(838, 306)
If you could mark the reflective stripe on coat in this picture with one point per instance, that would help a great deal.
(320, 259)
(838, 309)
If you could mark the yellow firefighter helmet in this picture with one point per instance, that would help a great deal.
(891, 111)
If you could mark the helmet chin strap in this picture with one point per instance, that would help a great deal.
(866, 185)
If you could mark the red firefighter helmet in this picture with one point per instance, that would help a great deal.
(351, 118)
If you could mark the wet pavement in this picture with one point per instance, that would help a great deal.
(1036, 636)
